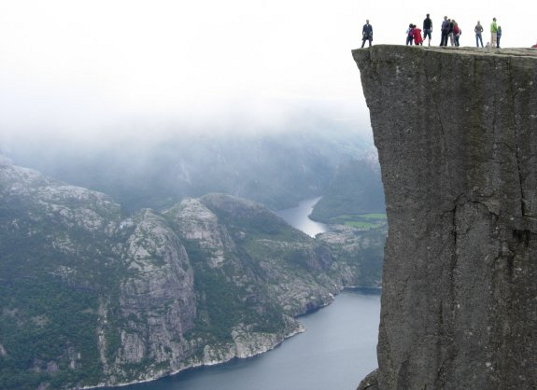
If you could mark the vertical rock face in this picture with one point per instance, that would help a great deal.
(456, 132)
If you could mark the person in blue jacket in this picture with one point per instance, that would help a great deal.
(367, 33)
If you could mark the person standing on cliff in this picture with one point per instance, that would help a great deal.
(498, 36)
(444, 31)
(367, 33)
(410, 34)
(450, 32)
(456, 33)
(427, 29)
(493, 33)
(418, 40)
(478, 29)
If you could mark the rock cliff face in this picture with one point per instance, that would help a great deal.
(456, 131)
(90, 296)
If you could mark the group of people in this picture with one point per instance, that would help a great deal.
(449, 30)
(495, 34)
(413, 33)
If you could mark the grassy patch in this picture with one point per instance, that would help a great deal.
(361, 221)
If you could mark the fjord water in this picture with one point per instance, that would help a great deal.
(336, 351)
(298, 217)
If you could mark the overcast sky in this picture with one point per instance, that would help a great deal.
(80, 66)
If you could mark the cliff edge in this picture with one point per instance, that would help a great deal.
(456, 132)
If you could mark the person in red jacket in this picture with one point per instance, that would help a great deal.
(418, 40)
(456, 33)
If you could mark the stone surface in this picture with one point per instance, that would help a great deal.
(456, 131)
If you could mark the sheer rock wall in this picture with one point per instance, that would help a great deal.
(456, 132)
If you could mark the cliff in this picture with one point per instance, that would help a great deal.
(90, 296)
(456, 131)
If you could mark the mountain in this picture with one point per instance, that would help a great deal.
(459, 307)
(93, 296)
(355, 189)
(277, 169)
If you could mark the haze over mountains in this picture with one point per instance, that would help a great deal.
(157, 164)
(114, 291)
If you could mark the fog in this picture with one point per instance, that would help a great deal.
(79, 68)
(96, 71)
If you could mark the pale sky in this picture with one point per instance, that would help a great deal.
(77, 66)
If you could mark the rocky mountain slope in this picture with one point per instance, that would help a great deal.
(355, 189)
(456, 131)
(91, 296)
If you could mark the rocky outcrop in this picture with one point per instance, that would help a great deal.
(92, 297)
(456, 131)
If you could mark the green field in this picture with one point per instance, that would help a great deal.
(362, 221)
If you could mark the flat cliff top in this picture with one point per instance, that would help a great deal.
(515, 51)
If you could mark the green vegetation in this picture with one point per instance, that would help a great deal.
(49, 299)
(222, 302)
(355, 191)
(361, 221)
(363, 254)
(56, 276)
(45, 323)
(259, 222)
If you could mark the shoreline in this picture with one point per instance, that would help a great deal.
(300, 329)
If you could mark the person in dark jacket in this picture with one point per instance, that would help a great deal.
(367, 33)
(445, 31)
(427, 29)
(450, 32)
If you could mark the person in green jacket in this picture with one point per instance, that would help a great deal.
(493, 33)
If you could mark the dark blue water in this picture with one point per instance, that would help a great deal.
(337, 350)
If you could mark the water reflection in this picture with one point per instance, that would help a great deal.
(298, 217)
